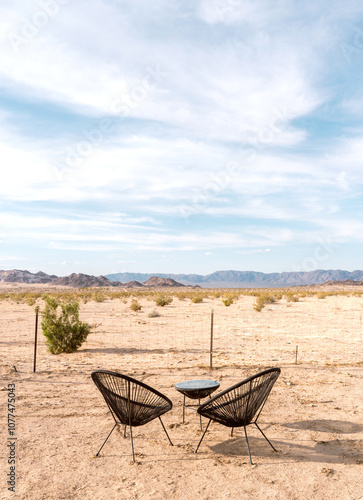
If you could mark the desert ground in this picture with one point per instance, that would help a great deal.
(314, 415)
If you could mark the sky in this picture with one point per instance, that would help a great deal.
(181, 136)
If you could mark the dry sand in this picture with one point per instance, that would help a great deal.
(313, 416)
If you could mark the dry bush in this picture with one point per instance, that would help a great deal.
(262, 300)
(135, 305)
(163, 300)
(154, 314)
(291, 297)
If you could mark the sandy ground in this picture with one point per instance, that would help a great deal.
(313, 416)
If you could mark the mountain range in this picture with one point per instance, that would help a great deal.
(79, 280)
(248, 279)
(225, 279)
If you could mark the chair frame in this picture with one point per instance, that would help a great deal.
(249, 396)
(125, 408)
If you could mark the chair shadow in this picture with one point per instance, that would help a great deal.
(335, 451)
(325, 425)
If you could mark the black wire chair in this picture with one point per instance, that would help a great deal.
(131, 403)
(241, 404)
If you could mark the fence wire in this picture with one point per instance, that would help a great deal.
(310, 331)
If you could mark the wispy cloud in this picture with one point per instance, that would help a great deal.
(171, 126)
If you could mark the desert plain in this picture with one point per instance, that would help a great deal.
(314, 414)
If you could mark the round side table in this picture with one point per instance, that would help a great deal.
(196, 389)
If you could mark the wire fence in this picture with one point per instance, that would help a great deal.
(310, 331)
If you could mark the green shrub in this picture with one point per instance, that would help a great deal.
(135, 305)
(197, 298)
(163, 300)
(63, 333)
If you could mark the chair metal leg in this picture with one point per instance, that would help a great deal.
(200, 416)
(165, 431)
(125, 431)
(106, 440)
(201, 439)
(248, 446)
(264, 435)
(183, 406)
(232, 431)
(132, 445)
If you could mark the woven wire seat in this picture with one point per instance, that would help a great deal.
(131, 403)
(241, 404)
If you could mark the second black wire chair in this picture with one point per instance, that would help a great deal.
(131, 403)
(241, 404)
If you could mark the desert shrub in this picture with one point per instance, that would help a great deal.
(291, 297)
(135, 305)
(154, 314)
(197, 298)
(99, 297)
(163, 300)
(321, 295)
(228, 301)
(64, 332)
(262, 300)
(181, 295)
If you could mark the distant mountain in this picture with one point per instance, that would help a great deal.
(225, 279)
(74, 280)
(248, 279)
(18, 276)
(80, 280)
(83, 281)
(157, 281)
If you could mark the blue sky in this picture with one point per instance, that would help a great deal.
(181, 136)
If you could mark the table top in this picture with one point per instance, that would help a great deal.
(196, 389)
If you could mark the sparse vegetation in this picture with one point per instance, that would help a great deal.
(197, 298)
(163, 300)
(135, 305)
(228, 300)
(64, 332)
(262, 300)
(291, 297)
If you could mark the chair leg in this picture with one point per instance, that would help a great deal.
(165, 431)
(248, 446)
(132, 445)
(125, 431)
(264, 435)
(183, 407)
(200, 416)
(201, 439)
(232, 431)
(106, 440)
